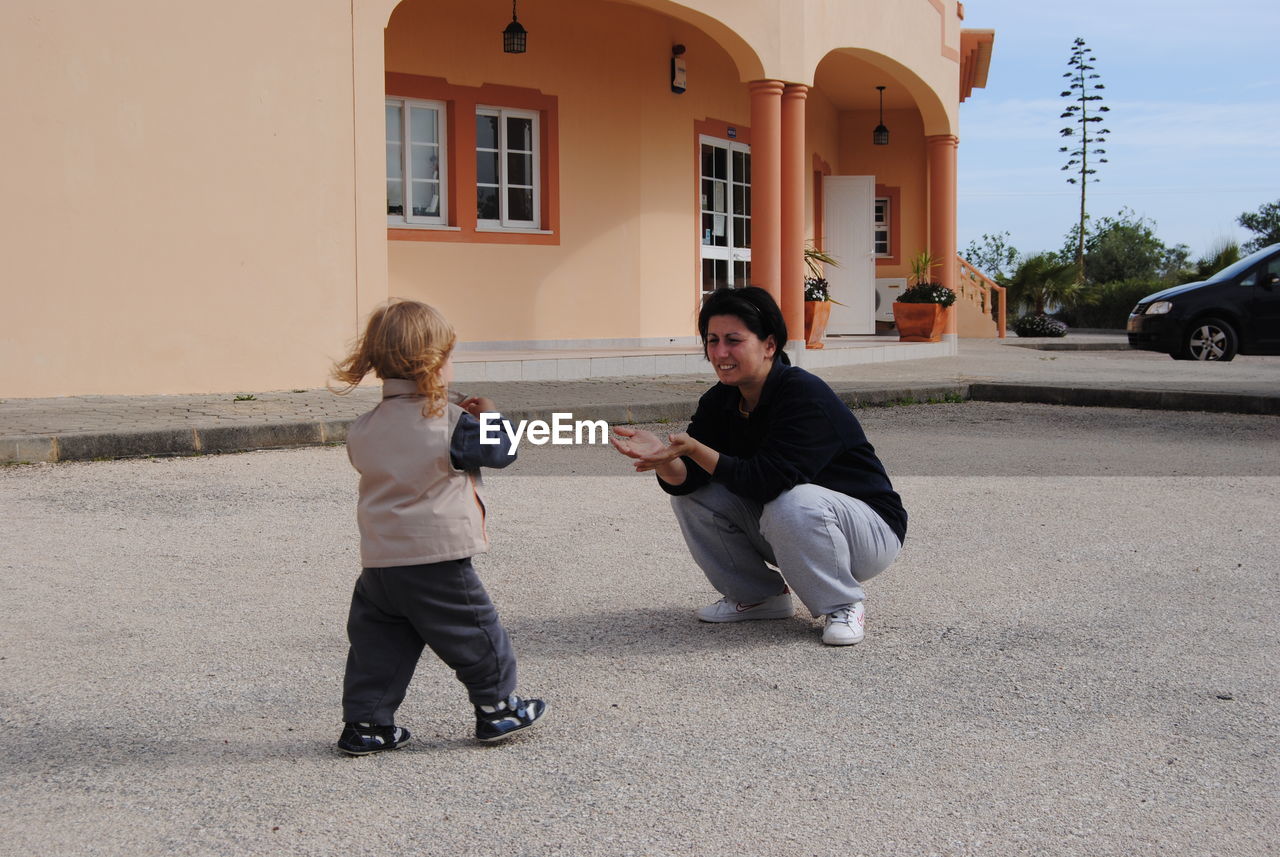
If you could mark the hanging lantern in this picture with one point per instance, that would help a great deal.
(880, 136)
(513, 37)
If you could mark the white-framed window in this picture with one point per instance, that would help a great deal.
(725, 225)
(416, 187)
(508, 184)
(880, 238)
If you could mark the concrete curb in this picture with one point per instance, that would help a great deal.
(245, 437)
(1073, 346)
(95, 446)
(861, 397)
(1101, 397)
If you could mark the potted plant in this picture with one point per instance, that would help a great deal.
(921, 311)
(817, 297)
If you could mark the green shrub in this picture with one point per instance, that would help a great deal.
(1107, 305)
(1038, 325)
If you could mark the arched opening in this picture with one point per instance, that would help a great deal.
(871, 202)
(531, 195)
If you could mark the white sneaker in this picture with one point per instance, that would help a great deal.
(728, 610)
(845, 626)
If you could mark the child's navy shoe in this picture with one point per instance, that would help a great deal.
(361, 739)
(505, 718)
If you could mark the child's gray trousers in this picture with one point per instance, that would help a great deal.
(823, 542)
(395, 612)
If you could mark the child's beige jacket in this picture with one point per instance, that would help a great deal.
(414, 507)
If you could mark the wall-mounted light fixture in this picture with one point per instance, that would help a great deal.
(677, 68)
(880, 136)
(513, 37)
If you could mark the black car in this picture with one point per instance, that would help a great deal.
(1237, 310)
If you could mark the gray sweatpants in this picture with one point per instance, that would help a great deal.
(823, 543)
(395, 612)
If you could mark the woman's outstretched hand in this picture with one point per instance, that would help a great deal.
(651, 453)
(636, 443)
(678, 444)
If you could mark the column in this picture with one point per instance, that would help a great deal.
(792, 243)
(766, 186)
(942, 213)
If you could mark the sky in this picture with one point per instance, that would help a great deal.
(1194, 92)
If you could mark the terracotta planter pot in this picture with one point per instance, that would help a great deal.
(816, 316)
(920, 322)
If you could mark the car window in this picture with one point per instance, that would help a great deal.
(1270, 270)
(1237, 268)
(1263, 273)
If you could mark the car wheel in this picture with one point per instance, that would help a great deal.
(1209, 339)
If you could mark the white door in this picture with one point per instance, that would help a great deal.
(726, 214)
(849, 221)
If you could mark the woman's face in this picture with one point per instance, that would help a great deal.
(738, 355)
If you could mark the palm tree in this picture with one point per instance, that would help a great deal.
(1042, 280)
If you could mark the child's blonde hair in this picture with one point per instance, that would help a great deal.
(403, 339)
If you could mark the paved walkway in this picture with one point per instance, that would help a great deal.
(1082, 369)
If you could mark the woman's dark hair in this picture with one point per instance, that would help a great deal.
(756, 309)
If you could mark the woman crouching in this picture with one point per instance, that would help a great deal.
(774, 484)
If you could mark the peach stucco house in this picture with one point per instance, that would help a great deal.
(210, 198)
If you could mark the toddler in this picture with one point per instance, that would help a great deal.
(421, 520)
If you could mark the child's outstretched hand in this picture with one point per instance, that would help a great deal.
(477, 405)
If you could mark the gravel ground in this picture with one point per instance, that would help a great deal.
(1075, 655)
(996, 439)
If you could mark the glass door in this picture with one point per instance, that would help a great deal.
(726, 214)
